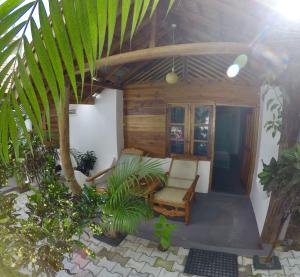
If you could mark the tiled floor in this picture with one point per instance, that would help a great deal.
(137, 256)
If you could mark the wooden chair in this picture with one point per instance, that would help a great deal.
(175, 199)
(100, 178)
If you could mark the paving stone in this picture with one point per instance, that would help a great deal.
(95, 269)
(106, 273)
(174, 250)
(151, 270)
(293, 262)
(145, 250)
(123, 271)
(287, 262)
(131, 245)
(121, 250)
(130, 238)
(178, 267)
(120, 259)
(68, 264)
(240, 260)
(165, 273)
(157, 253)
(95, 247)
(175, 258)
(265, 272)
(62, 273)
(144, 242)
(183, 251)
(153, 244)
(283, 255)
(84, 273)
(135, 264)
(105, 253)
(168, 265)
(109, 265)
(147, 259)
(133, 254)
(291, 270)
(296, 254)
(134, 273)
(80, 261)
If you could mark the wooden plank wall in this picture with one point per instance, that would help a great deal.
(145, 108)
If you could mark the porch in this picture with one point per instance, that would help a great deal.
(219, 222)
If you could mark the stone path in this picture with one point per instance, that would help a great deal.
(136, 257)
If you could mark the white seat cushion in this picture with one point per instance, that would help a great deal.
(171, 195)
(183, 169)
(179, 183)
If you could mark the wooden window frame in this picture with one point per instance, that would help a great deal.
(189, 130)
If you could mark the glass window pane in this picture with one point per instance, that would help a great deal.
(177, 132)
(177, 147)
(201, 115)
(201, 132)
(200, 149)
(177, 114)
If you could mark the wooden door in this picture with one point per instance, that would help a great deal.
(247, 150)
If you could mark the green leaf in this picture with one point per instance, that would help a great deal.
(13, 131)
(27, 108)
(12, 18)
(144, 10)
(4, 132)
(38, 81)
(112, 18)
(29, 90)
(8, 6)
(171, 3)
(20, 118)
(51, 47)
(5, 70)
(74, 35)
(7, 38)
(63, 42)
(84, 29)
(93, 24)
(124, 17)
(5, 54)
(135, 16)
(45, 64)
(154, 6)
(102, 24)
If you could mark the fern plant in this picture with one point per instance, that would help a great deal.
(126, 206)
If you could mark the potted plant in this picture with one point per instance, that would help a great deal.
(281, 177)
(86, 161)
(163, 231)
(126, 204)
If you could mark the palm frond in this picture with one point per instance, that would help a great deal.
(34, 70)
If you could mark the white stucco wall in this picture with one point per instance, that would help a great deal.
(99, 127)
(267, 147)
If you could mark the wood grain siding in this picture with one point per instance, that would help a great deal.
(145, 108)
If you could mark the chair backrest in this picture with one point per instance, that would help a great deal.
(182, 173)
(130, 153)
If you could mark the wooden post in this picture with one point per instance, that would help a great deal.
(64, 142)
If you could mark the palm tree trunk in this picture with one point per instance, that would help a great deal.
(64, 142)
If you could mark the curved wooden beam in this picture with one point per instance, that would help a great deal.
(201, 48)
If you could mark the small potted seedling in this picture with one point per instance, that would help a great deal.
(163, 231)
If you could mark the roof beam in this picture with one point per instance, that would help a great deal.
(202, 48)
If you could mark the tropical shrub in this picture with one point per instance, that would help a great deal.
(163, 231)
(126, 206)
(51, 229)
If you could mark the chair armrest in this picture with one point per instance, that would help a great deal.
(100, 173)
(152, 186)
(191, 189)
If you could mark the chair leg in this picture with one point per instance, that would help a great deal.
(187, 214)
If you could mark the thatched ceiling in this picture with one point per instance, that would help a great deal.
(248, 21)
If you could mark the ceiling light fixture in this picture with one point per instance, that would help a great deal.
(172, 77)
(233, 70)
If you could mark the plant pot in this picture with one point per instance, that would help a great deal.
(162, 249)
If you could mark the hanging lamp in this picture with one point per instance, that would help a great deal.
(172, 77)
